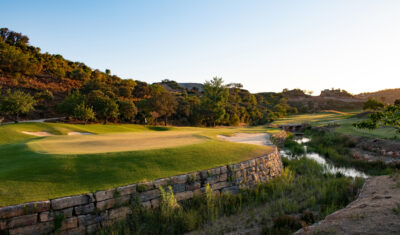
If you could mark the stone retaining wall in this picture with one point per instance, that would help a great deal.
(86, 213)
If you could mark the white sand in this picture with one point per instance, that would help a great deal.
(37, 133)
(79, 133)
(246, 138)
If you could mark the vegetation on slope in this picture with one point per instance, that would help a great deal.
(314, 118)
(91, 95)
(336, 147)
(387, 96)
(302, 195)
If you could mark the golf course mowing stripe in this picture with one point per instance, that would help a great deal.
(118, 142)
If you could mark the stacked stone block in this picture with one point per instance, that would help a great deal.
(86, 213)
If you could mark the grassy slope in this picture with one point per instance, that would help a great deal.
(383, 132)
(344, 120)
(30, 176)
(314, 118)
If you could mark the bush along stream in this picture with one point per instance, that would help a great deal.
(305, 193)
(297, 147)
(336, 148)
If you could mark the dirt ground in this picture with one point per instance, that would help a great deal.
(376, 211)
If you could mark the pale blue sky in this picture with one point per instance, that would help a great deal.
(265, 45)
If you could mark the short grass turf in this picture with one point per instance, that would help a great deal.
(346, 127)
(26, 175)
(114, 142)
(314, 118)
(344, 120)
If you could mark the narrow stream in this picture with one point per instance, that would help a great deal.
(329, 167)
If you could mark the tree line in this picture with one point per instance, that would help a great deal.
(36, 82)
(218, 104)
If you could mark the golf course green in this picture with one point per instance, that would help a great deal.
(39, 168)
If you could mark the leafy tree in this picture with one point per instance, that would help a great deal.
(14, 60)
(93, 85)
(389, 116)
(126, 88)
(67, 106)
(214, 101)
(84, 113)
(373, 104)
(13, 38)
(142, 90)
(43, 99)
(16, 103)
(25, 65)
(125, 91)
(80, 74)
(163, 102)
(104, 107)
(127, 110)
(44, 96)
(397, 102)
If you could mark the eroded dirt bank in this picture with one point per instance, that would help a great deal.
(376, 211)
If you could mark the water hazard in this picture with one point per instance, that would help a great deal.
(329, 167)
(263, 139)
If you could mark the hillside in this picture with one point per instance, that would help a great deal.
(314, 104)
(192, 86)
(386, 96)
(329, 99)
(62, 87)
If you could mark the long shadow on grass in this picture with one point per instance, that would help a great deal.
(41, 176)
(159, 128)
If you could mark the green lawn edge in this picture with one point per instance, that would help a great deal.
(29, 176)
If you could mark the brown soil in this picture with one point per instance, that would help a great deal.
(372, 156)
(371, 149)
(376, 211)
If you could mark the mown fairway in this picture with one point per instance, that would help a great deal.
(27, 175)
(313, 118)
(343, 121)
(382, 132)
(115, 142)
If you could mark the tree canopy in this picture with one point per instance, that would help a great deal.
(64, 87)
(373, 104)
(389, 116)
(15, 103)
(214, 101)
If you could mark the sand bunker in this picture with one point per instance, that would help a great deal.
(116, 142)
(79, 133)
(38, 133)
(246, 138)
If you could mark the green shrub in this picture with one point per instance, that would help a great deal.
(300, 189)
(336, 148)
(287, 222)
(168, 203)
(58, 221)
(308, 217)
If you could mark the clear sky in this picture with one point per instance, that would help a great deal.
(265, 45)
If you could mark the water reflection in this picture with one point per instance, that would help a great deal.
(328, 167)
(302, 140)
